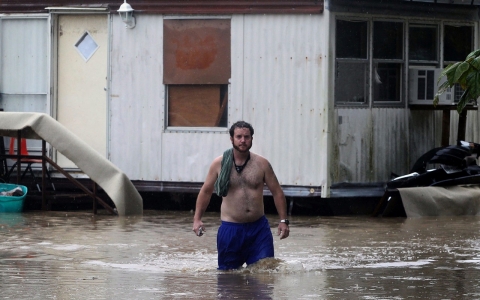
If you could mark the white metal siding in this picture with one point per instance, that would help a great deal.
(23, 65)
(136, 97)
(276, 84)
(373, 143)
(285, 59)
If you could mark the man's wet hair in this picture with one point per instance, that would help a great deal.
(241, 124)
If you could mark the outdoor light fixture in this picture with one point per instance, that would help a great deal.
(126, 13)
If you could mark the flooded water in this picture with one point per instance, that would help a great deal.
(76, 255)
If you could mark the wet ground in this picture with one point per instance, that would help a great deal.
(76, 255)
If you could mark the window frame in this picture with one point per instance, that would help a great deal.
(422, 23)
(405, 62)
(193, 129)
(375, 61)
(165, 113)
(442, 35)
(365, 61)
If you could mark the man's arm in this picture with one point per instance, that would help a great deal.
(279, 199)
(203, 198)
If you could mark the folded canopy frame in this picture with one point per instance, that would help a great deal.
(41, 126)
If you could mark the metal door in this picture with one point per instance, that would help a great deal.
(81, 99)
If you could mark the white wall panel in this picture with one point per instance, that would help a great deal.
(370, 144)
(276, 84)
(137, 97)
(187, 156)
(23, 43)
(285, 93)
(24, 66)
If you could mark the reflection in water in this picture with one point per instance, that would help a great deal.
(77, 255)
(244, 286)
(9, 220)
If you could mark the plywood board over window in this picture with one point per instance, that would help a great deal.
(197, 70)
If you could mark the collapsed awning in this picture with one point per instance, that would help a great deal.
(456, 200)
(114, 182)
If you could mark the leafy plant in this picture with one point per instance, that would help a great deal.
(465, 73)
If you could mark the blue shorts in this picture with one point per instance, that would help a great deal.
(239, 243)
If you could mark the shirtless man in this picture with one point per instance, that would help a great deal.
(244, 235)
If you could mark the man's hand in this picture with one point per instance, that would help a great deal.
(283, 230)
(198, 228)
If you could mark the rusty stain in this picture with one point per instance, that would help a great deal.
(195, 53)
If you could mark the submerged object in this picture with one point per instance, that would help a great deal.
(449, 189)
(12, 197)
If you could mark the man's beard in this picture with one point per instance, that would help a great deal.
(241, 151)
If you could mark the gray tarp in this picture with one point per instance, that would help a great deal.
(41, 126)
(441, 201)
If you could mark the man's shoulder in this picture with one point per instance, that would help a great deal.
(260, 159)
(253, 154)
(217, 160)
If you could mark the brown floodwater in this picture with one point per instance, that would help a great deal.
(77, 255)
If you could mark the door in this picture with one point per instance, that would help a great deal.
(81, 99)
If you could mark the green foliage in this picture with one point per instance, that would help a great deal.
(465, 73)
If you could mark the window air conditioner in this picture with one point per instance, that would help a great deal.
(423, 87)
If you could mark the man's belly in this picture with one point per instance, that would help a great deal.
(241, 213)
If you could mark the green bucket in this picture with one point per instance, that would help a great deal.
(12, 203)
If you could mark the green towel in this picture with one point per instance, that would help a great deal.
(223, 181)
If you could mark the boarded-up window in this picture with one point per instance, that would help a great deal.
(197, 71)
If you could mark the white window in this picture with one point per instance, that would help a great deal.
(86, 46)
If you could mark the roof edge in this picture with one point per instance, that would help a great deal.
(175, 7)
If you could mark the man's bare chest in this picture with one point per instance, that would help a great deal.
(250, 177)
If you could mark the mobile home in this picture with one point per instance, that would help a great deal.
(339, 92)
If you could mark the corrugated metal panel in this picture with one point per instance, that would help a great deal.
(353, 139)
(137, 98)
(142, 149)
(371, 143)
(277, 62)
(23, 103)
(390, 144)
(425, 133)
(473, 129)
(187, 156)
(283, 66)
(472, 133)
(24, 56)
(24, 66)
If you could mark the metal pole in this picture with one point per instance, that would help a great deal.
(44, 171)
(19, 162)
(462, 125)
(446, 128)
(95, 197)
